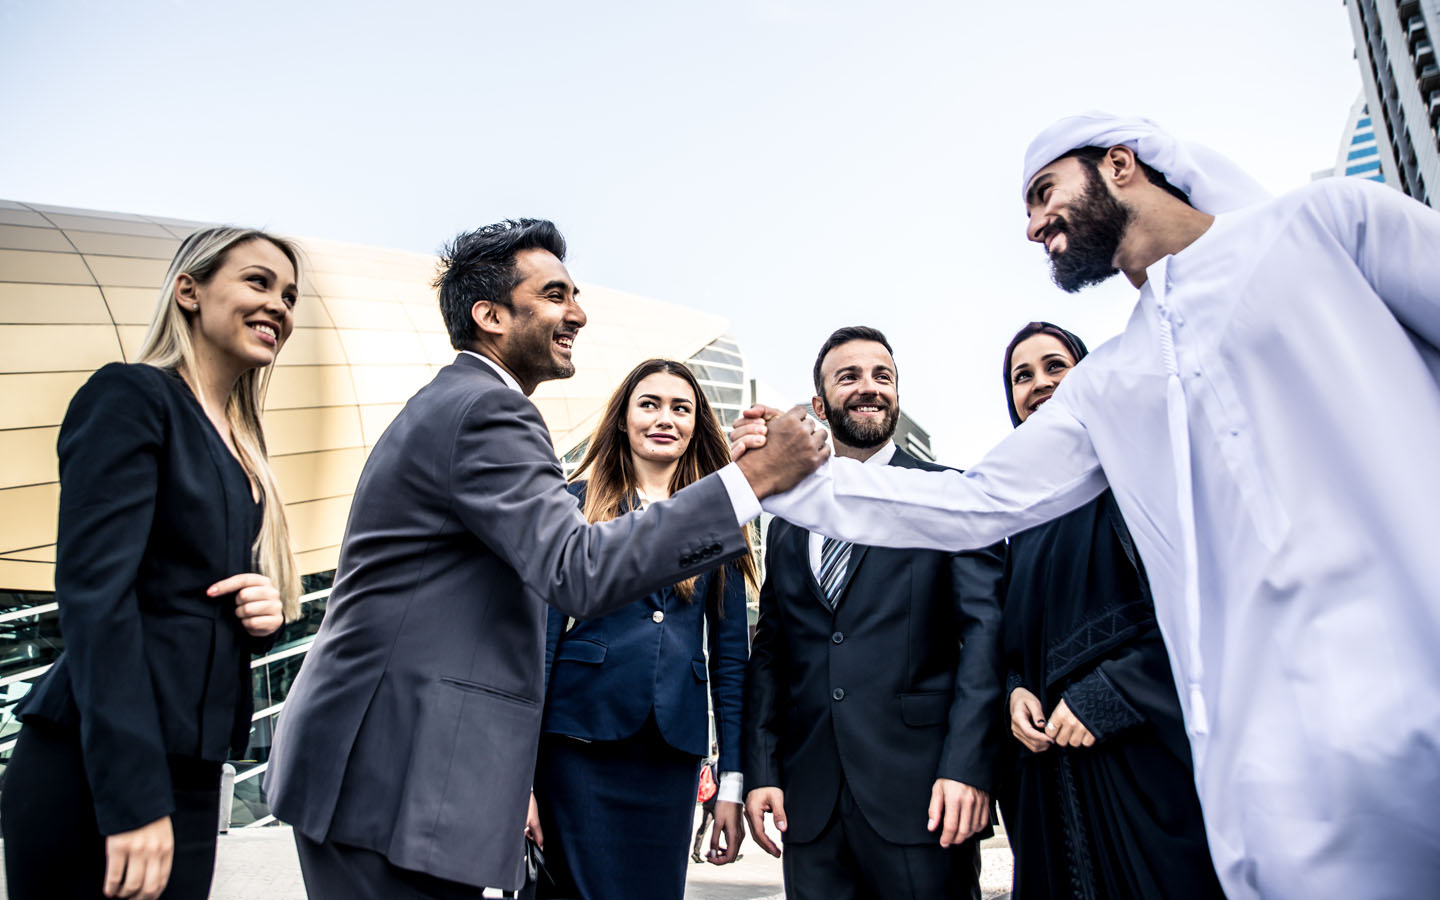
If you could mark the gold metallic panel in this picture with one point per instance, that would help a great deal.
(123, 244)
(122, 271)
(312, 561)
(318, 523)
(30, 515)
(297, 386)
(43, 268)
(382, 289)
(310, 312)
(389, 384)
(115, 226)
(314, 476)
(32, 348)
(19, 237)
(37, 399)
(27, 456)
(376, 418)
(312, 347)
(51, 304)
(366, 314)
(34, 554)
(132, 338)
(381, 347)
(427, 318)
(9, 216)
(27, 576)
(306, 430)
(132, 306)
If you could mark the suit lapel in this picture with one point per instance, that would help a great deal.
(857, 551)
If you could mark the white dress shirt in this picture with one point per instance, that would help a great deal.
(816, 543)
(1269, 422)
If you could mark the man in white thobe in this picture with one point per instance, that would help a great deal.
(1269, 422)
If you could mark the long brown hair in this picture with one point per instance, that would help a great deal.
(612, 483)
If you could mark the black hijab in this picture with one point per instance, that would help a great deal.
(1071, 342)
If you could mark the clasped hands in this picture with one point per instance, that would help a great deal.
(776, 450)
(1027, 723)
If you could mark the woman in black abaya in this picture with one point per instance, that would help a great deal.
(1100, 802)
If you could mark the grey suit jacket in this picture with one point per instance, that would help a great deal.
(412, 727)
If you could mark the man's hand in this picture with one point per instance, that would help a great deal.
(137, 863)
(794, 448)
(1027, 720)
(257, 602)
(757, 803)
(1067, 730)
(532, 824)
(727, 822)
(958, 810)
(749, 430)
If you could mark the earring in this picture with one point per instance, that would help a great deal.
(195, 306)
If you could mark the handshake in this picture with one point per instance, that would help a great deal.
(776, 450)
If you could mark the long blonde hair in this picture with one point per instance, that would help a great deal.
(612, 481)
(167, 346)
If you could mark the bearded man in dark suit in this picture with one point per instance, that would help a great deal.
(872, 695)
(405, 752)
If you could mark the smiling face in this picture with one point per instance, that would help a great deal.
(1081, 223)
(542, 321)
(245, 312)
(1037, 365)
(660, 418)
(861, 399)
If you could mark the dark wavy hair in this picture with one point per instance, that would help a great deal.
(480, 265)
(611, 485)
(1072, 343)
(841, 336)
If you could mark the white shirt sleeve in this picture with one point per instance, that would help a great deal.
(742, 496)
(1042, 470)
(732, 787)
(1396, 243)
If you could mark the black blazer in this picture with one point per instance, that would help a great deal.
(153, 510)
(899, 686)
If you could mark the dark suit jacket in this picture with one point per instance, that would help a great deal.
(153, 510)
(899, 686)
(413, 725)
(609, 672)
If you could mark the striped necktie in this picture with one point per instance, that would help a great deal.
(834, 559)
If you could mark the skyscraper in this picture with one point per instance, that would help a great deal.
(1394, 45)
(1359, 154)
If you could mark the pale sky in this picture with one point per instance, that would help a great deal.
(794, 166)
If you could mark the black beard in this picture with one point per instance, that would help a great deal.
(861, 435)
(1092, 236)
(534, 357)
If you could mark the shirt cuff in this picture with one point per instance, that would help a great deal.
(732, 787)
(742, 496)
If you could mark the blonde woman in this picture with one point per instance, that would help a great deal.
(172, 566)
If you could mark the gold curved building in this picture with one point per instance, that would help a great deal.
(77, 290)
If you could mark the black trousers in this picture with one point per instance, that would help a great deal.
(341, 872)
(849, 861)
(53, 847)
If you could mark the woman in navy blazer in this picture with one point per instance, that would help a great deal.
(172, 565)
(625, 725)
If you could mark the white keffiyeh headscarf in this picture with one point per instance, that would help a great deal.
(1213, 183)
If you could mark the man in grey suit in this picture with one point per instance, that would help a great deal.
(405, 752)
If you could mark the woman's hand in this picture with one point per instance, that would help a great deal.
(532, 823)
(257, 603)
(1027, 719)
(137, 863)
(1067, 730)
(728, 822)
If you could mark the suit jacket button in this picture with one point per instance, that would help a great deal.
(838, 694)
(687, 560)
(716, 548)
(837, 637)
(657, 617)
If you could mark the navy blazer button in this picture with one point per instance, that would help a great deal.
(687, 560)
(838, 694)
(837, 637)
(716, 548)
(657, 617)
